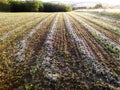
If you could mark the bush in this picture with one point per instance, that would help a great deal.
(32, 6)
(4, 5)
(41, 7)
(50, 7)
(22, 6)
(98, 6)
(17, 6)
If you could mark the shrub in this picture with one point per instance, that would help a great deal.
(41, 7)
(17, 6)
(50, 7)
(22, 6)
(32, 6)
(4, 5)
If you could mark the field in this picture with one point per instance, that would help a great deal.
(60, 51)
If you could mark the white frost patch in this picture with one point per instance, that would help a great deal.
(100, 10)
(101, 35)
(98, 67)
(78, 41)
(16, 29)
(107, 18)
(106, 25)
(52, 76)
(22, 46)
(51, 71)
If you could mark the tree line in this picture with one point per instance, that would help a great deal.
(32, 6)
(97, 6)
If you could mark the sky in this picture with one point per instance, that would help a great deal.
(109, 2)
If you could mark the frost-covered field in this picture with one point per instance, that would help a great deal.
(101, 10)
(60, 51)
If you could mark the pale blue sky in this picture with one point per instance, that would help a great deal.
(110, 2)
